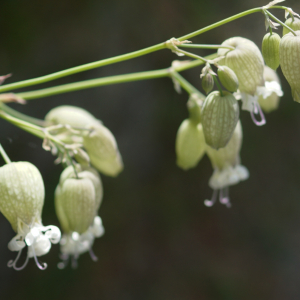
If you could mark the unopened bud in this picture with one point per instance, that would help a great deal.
(270, 50)
(207, 83)
(102, 149)
(228, 78)
(219, 117)
(290, 62)
(246, 61)
(190, 144)
(295, 25)
(71, 115)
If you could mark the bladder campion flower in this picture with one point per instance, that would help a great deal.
(21, 202)
(227, 168)
(290, 61)
(77, 199)
(247, 63)
(219, 116)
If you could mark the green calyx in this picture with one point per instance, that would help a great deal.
(22, 193)
(293, 24)
(228, 78)
(207, 83)
(289, 56)
(219, 117)
(270, 50)
(77, 200)
(190, 144)
(246, 61)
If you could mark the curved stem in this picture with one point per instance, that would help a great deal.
(186, 85)
(280, 22)
(4, 155)
(220, 23)
(23, 117)
(118, 58)
(110, 80)
(85, 67)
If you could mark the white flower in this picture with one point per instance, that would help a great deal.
(21, 202)
(73, 244)
(227, 168)
(251, 104)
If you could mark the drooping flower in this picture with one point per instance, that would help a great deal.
(290, 62)
(98, 141)
(21, 202)
(247, 63)
(227, 168)
(77, 199)
(219, 116)
(190, 144)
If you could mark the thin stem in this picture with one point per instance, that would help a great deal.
(118, 58)
(191, 55)
(220, 23)
(186, 85)
(280, 22)
(218, 84)
(204, 46)
(23, 117)
(110, 80)
(85, 67)
(31, 128)
(4, 155)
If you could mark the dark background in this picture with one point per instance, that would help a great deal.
(161, 242)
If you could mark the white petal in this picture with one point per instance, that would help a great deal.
(15, 244)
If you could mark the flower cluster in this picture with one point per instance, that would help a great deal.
(77, 197)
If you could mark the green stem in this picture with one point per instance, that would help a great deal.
(186, 85)
(220, 23)
(191, 55)
(104, 62)
(218, 84)
(4, 155)
(203, 46)
(33, 129)
(21, 116)
(280, 22)
(89, 66)
(109, 80)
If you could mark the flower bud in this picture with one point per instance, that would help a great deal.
(77, 199)
(102, 149)
(268, 96)
(290, 62)
(246, 61)
(71, 115)
(270, 50)
(219, 117)
(228, 78)
(207, 83)
(190, 144)
(295, 25)
(21, 201)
